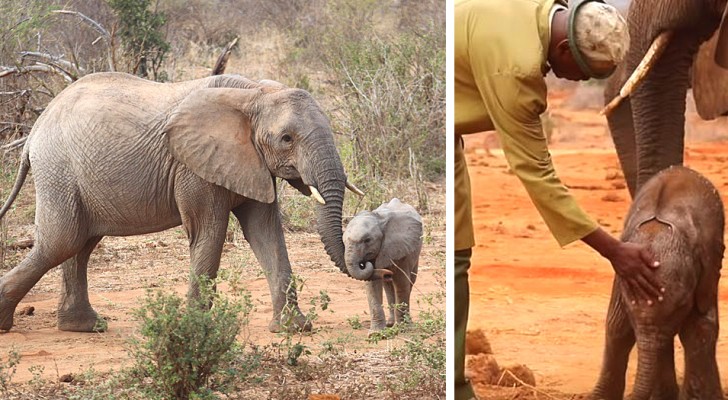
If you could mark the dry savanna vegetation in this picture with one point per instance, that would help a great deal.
(377, 67)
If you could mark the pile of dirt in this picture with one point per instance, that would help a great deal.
(482, 369)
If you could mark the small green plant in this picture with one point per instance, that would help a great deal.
(354, 322)
(38, 381)
(8, 367)
(188, 351)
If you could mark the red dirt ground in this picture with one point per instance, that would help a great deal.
(121, 269)
(545, 306)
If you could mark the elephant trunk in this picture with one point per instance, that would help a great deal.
(649, 346)
(658, 104)
(329, 179)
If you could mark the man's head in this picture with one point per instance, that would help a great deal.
(588, 40)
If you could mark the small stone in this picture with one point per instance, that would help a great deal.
(612, 198)
(29, 310)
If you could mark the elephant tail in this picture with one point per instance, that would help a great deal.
(19, 180)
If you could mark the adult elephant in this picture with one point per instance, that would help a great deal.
(117, 155)
(648, 125)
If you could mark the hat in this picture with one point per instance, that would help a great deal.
(598, 37)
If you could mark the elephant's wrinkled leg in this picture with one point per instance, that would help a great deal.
(75, 313)
(391, 301)
(698, 335)
(402, 290)
(207, 236)
(666, 386)
(622, 129)
(374, 296)
(620, 339)
(262, 228)
(45, 255)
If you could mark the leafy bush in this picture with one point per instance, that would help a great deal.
(189, 351)
(140, 31)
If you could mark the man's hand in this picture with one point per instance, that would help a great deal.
(633, 262)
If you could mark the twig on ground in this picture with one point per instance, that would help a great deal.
(524, 384)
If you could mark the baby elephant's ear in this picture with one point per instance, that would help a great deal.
(210, 133)
(402, 234)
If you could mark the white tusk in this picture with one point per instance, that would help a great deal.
(316, 195)
(648, 61)
(354, 189)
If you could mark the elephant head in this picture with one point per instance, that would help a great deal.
(669, 39)
(373, 240)
(241, 138)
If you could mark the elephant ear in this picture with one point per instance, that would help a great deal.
(709, 80)
(210, 133)
(402, 229)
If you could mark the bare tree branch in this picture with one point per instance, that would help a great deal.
(14, 144)
(58, 60)
(91, 22)
(38, 67)
(105, 35)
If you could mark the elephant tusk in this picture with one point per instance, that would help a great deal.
(354, 189)
(316, 195)
(648, 61)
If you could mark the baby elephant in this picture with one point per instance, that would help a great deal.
(679, 214)
(389, 237)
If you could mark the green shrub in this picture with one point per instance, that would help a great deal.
(8, 368)
(188, 351)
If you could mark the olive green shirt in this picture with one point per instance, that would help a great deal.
(501, 49)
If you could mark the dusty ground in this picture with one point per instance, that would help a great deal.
(122, 269)
(545, 306)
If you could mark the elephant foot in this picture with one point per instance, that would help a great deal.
(296, 323)
(81, 321)
(377, 326)
(7, 308)
(6, 317)
(390, 324)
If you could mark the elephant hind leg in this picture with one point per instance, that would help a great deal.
(15, 284)
(699, 334)
(75, 313)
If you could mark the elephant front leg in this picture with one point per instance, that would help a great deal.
(75, 313)
(391, 301)
(263, 230)
(699, 335)
(620, 339)
(374, 297)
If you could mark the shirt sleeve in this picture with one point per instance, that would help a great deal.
(515, 104)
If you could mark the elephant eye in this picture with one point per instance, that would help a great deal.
(368, 240)
(287, 138)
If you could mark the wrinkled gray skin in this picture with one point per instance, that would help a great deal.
(389, 237)
(679, 213)
(117, 155)
(648, 128)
